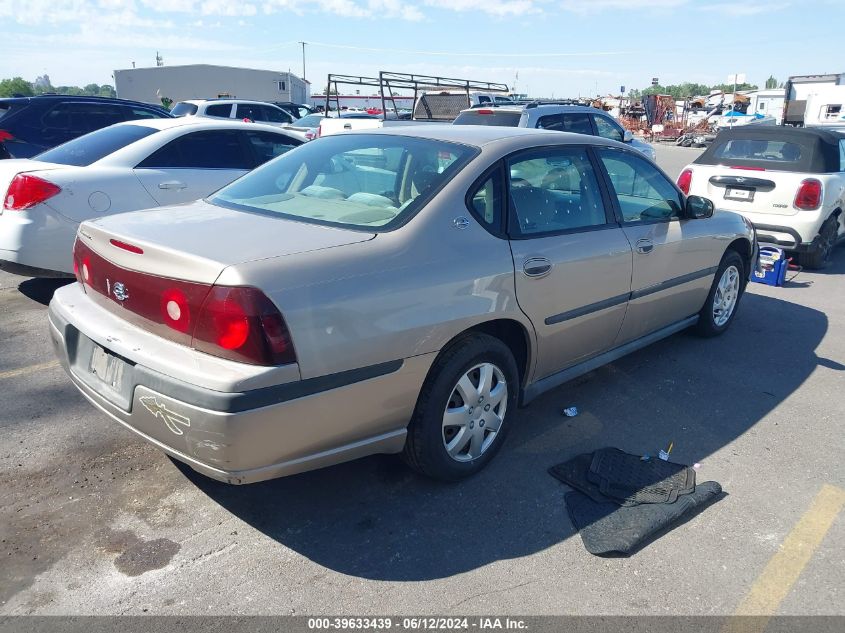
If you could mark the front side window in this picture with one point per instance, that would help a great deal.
(644, 194)
(358, 181)
(606, 129)
(275, 115)
(554, 190)
(572, 122)
(141, 113)
(209, 149)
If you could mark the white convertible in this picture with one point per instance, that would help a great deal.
(124, 167)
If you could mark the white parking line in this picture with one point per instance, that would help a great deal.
(23, 371)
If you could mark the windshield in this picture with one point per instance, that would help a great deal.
(312, 120)
(184, 109)
(87, 149)
(359, 181)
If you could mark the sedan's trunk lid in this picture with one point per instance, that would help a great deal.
(196, 241)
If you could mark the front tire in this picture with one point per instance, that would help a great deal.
(720, 307)
(461, 417)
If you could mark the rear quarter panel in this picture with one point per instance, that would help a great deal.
(405, 293)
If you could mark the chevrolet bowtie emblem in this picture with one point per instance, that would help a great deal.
(170, 418)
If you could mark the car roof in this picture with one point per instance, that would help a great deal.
(780, 132)
(227, 102)
(83, 98)
(480, 135)
(201, 123)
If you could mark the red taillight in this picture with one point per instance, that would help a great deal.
(748, 168)
(685, 180)
(6, 136)
(127, 247)
(238, 323)
(26, 191)
(809, 195)
(243, 324)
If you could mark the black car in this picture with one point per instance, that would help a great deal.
(296, 110)
(31, 125)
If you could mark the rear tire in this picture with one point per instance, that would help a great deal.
(723, 299)
(820, 255)
(463, 411)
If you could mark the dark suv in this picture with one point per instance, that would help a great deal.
(31, 125)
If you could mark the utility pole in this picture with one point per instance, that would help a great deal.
(303, 60)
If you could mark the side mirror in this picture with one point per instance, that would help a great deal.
(698, 207)
(627, 137)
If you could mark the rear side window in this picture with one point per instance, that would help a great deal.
(491, 117)
(577, 123)
(758, 150)
(209, 149)
(221, 110)
(92, 147)
(266, 145)
(184, 109)
(553, 190)
(251, 112)
(82, 117)
(7, 108)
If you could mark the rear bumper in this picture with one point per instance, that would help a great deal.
(783, 236)
(254, 435)
(37, 242)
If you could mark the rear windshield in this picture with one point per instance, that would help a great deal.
(184, 109)
(474, 117)
(358, 181)
(758, 150)
(87, 149)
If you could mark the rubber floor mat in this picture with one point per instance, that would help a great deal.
(574, 474)
(607, 528)
(629, 480)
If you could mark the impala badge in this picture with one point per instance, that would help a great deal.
(170, 418)
(120, 291)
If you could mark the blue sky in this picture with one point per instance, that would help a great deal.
(560, 48)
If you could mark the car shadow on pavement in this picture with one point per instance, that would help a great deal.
(375, 519)
(42, 289)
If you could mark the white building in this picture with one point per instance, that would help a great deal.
(203, 81)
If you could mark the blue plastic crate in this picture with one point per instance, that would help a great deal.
(774, 264)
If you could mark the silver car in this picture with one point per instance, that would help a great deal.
(402, 290)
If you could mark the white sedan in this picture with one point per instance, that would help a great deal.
(124, 167)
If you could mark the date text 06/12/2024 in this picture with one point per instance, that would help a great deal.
(415, 623)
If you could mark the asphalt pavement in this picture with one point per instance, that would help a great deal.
(95, 521)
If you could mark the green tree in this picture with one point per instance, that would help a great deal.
(107, 91)
(771, 82)
(16, 86)
(91, 89)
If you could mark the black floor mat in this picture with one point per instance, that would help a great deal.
(574, 474)
(630, 480)
(607, 528)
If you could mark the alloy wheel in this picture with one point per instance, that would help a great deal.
(475, 412)
(727, 294)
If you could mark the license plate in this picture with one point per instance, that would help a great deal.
(107, 367)
(746, 195)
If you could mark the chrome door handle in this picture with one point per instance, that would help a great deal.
(645, 246)
(172, 184)
(536, 267)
